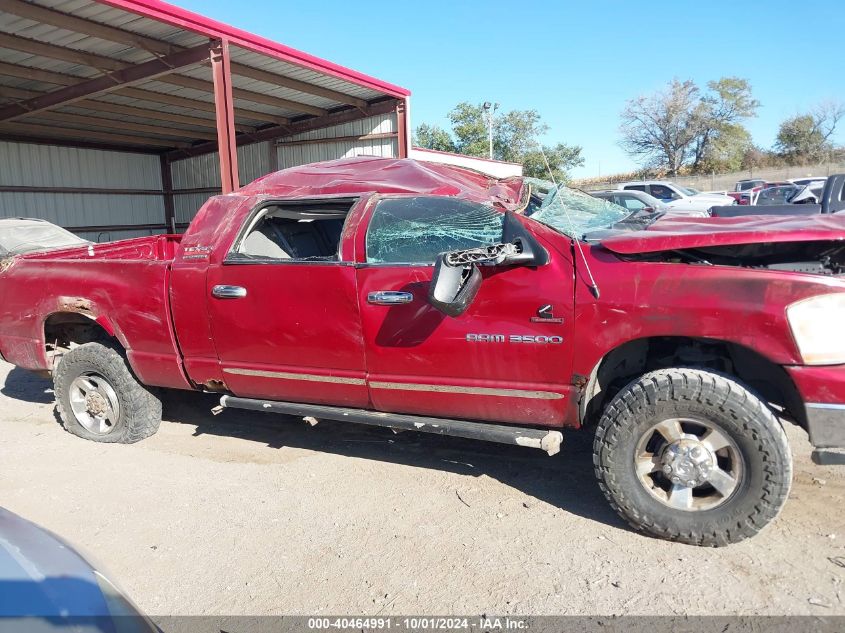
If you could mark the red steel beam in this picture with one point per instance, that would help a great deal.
(111, 81)
(402, 129)
(225, 108)
(175, 16)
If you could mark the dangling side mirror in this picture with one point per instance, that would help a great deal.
(453, 288)
(457, 278)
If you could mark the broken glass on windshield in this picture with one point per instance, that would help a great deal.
(574, 212)
(415, 230)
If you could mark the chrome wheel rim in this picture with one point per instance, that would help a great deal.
(688, 464)
(94, 403)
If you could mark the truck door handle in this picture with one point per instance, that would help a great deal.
(389, 297)
(228, 292)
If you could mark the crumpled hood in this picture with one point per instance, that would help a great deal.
(669, 234)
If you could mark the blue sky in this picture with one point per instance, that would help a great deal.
(576, 63)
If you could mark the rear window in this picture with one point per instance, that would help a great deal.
(416, 230)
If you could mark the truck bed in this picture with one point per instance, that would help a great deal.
(121, 286)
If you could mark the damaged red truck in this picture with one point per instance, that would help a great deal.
(433, 298)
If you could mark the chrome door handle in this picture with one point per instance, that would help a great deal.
(228, 292)
(389, 297)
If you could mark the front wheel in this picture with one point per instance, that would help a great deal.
(99, 399)
(692, 456)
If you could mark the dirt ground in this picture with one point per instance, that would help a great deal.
(251, 513)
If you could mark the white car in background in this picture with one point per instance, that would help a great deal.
(640, 201)
(678, 197)
(810, 181)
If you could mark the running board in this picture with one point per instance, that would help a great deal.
(829, 457)
(545, 440)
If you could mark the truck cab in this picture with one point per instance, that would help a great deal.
(437, 299)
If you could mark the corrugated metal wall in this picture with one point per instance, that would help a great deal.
(291, 155)
(203, 172)
(47, 166)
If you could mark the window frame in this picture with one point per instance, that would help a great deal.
(234, 258)
(366, 223)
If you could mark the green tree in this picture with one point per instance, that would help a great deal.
(721, 136)
(799, 139)
(516, 137)
(681, 126)
(726, 150)
(808, 137)
(433, 137)
(515, 134)
(561, 159)
(469, 129)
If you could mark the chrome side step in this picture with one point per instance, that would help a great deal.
(543, 439)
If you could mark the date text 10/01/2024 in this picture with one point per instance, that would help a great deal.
(419, 623)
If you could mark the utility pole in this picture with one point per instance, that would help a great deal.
(489, 113)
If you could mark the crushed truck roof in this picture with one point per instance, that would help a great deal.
(354, 176)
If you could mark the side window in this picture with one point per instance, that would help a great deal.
(296, 231)
(661, 192)
(416, 230)
(632, 204)
(635, 188)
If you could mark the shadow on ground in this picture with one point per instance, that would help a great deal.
(565, 481)
(27, 386)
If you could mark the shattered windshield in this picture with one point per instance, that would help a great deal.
(415, 230)
(573, 212)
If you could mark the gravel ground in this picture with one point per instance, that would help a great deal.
(250, 513)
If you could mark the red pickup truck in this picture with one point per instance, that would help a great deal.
(434, 298)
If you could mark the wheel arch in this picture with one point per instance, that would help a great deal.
(63, 330)
(638, 356)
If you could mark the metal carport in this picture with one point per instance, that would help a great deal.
(120, 117)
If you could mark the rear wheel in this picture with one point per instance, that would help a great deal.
(692, 456)
(99, 399)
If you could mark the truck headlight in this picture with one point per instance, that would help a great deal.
(818, 327)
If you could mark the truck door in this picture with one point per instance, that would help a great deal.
(284, 309)
(507, 358)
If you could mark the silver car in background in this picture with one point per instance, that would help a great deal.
(640, 201)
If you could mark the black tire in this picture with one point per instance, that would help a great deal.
(138, 412)
(759, 445)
